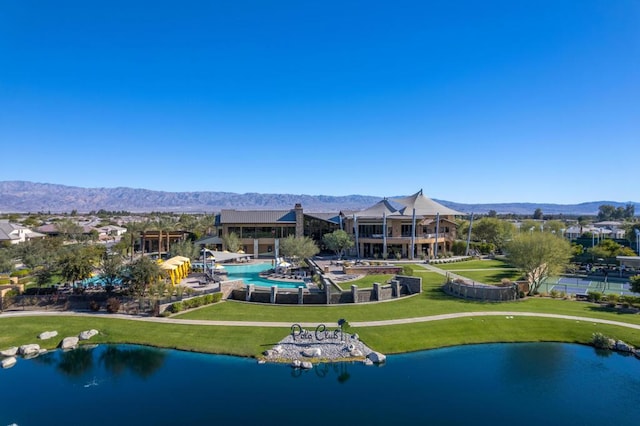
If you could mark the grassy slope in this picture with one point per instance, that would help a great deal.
(250, 341)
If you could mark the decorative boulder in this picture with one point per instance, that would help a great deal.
(47, 335)
(8, 362)
(12, 351)
(306, 365)
(622, 346)
(29, 350)
(377, 357)
(88, 334)
(312, 352)
(356, 353)
(367, 361)
(296, 363)
(69, 343)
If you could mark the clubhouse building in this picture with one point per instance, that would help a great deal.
(410, 227)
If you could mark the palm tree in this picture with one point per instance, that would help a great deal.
(164, 224)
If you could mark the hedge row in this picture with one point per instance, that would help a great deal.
(195, 302)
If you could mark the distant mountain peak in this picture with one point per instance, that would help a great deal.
(24, 196)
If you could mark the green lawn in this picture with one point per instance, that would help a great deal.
(243, 341)
(474, 264)
(251, 341)
(491, 276)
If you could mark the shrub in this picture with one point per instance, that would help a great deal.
(635, 283)
(4, 281)
(94, 306)
(601, 341)
(176, 307)
(407, 270)
(113, 305)
(613, 298)
(554, 294)
(20, 273)
(594, 296)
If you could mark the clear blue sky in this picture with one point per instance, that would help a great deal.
(473, 101)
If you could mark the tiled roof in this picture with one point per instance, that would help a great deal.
(329, 217)
(257, 216)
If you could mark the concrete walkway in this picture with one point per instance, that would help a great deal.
(314, 324)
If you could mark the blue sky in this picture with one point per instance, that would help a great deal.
(473, 101)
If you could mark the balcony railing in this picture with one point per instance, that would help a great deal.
(408, 235)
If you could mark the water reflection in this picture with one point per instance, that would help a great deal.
(142, 362)
(340, 370)
(544, 360)
(77, 362)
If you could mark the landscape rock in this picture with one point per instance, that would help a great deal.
(69, 343)
(296, 363)
(88, 334)
(623, 347)
(8, 362)
(356, 353)
(377, 357)
(312, 352)
(47, 335)
(29, 350)
(12, 351)
(306, 365)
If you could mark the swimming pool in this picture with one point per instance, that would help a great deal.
(250, 274)
(98, 280)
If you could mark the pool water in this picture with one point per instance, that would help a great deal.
(250, 274)
(98, 281)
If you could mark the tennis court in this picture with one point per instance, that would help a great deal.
(582, 285)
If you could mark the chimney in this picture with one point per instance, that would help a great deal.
(299, 220)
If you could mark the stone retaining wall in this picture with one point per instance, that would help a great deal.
(481, 292)
(366, 270)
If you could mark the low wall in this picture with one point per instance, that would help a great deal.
(332, 294)
(411, 285)
(481, 292)
(283, 297)
(366, 270)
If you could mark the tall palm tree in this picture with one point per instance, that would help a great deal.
(164, 224)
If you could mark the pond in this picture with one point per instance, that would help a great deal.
(480, 384)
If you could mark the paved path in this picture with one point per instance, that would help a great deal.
(312, 325)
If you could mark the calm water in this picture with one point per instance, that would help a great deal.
(515, 384)
(250, 274)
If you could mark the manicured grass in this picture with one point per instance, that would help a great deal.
(431, 302)
(474, 264)
(420, 336)
(366, 281)
(491, 276)
(243, 341)
(251, 341)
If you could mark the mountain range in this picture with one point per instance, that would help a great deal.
(23, 197)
